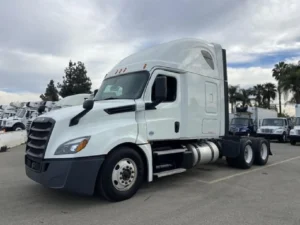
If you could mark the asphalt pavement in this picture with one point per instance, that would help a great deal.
(207, 195)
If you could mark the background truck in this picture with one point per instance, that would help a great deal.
(69, 101)
(24, 113)
(8, 111)
(167, 113)
(247, 120)
(295, 131)
(275, 128)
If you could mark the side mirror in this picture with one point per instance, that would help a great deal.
(41, 109)
(88, 104)
(160, 89)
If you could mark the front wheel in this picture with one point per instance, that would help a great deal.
(121, 174)
(293, 142)
(283, 138)
(18, 127)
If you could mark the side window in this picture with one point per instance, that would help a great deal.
(171, 89)
(27, 114)
(208, 58)
(285, 122)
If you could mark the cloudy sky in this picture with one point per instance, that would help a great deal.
(38, 38)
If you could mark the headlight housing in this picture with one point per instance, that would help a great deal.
(292, 132)
(73, 146)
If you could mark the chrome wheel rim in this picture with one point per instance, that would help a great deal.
(248, 154)
(284, 138)
(263, 151)
(18, 128)
(124, 174)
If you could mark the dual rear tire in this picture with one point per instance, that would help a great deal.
(252, 151)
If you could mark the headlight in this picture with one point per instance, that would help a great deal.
(72, 146)
(292, 132)
(258, 130)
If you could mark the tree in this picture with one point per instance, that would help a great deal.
(244, 96)
(279, 72)
(75, 80)
(51, 93)
(258, 93)
(269, 93)
(233, 95)
(291, 83)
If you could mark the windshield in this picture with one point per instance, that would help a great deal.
(6, 115)
(297, 121)
(128, 86)
(21, 113)
(272, 122)
(239, 121)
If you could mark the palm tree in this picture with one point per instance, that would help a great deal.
(258, 91)
(269, 93)
(291, 83)
(279, 72)
(244, 96)
(233, 94)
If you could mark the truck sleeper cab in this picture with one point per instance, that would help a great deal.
(157, 113)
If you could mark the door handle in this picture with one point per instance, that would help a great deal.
(177, 126)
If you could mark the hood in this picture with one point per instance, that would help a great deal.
(99, 106)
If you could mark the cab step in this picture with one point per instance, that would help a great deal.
(169, 172)
(171, 151)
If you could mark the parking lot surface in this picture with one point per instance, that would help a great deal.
(211, 194)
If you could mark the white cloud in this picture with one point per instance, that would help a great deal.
(6, 97)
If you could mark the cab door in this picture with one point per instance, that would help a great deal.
(163, 121)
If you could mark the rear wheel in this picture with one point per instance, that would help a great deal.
(121, 175)
(246, 157)
(261, 152)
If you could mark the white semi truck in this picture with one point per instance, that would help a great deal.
(23, 115)
(158, 112)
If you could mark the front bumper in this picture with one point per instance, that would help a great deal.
(269, 136)
(74, 175)
(294, 138)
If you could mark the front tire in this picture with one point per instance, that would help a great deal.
(283, 139)
(121, 175)
(18, 127)
(293, 142)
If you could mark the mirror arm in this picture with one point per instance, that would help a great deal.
(152, 105)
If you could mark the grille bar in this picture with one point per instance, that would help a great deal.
(38, 136)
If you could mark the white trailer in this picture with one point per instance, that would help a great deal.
(258, 114)
(158, 112)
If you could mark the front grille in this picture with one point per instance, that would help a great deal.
(4, 123)
(0, 123)
(268, 131)
(28, 125)
(38, 136)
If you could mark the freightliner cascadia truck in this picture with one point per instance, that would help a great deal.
(157, 113)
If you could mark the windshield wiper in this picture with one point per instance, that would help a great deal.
(110, 98)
